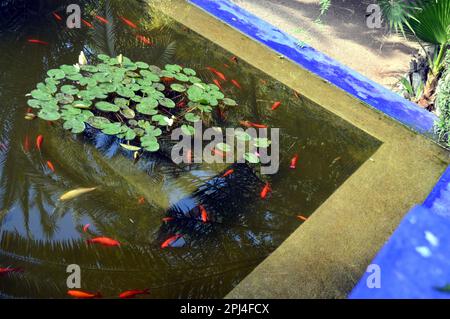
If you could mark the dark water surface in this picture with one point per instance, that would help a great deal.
(42, 235)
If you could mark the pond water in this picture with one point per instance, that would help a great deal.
(42, 235)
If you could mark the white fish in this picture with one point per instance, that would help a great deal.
(75, 193)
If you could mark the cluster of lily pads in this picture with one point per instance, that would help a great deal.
(133, 101)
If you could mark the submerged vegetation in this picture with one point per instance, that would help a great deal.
(133, 101)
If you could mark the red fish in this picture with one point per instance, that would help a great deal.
(4, 271)
(294, 162)
(128, 22)
(167, 80)
(276, 105)
(167, 219)
(189, 156)
(216, 72)
(105, 241)
(101, 19)
(265, 191)
(37, 41)
(227, 173)
(86, 227)
(234, 59)
(26, 144)
(217, 152)
(302, 218)
(236, 84)
(204, 213)
(50, 166)
(216, 82)
(141, 200)
(181, 104)
(251, 124)
(39, 141)
(144, 39)
(170, 240)
(80, 294)
(57, 16)
(89, 25)
(226, 65)
(133, 293)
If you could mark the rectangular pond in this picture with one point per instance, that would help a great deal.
(42, 235)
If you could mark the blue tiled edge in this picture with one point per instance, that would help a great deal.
(318, 63)
(415, 262)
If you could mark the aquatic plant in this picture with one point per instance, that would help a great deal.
(133, 101)
(443, 104)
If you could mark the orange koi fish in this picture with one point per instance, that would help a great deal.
(251, 124)
(89, 25)
(101, 19)
(39, 141)
(227, 173)
(50, 166)
(4, 271)
(226, 65)
(181, 104)
(26, 144)
(216, 72)
(144, 39)
(234, 59)
(128, 22)
(236, 84)
(276, 105)
(167, 219)
(170, 240)
(80, 294)
(216, 82)
(217, 152)
(133, 293)
(167, 80)
(105, 241)
(141, 200)
(204, 213)
(265, 190)
(86, 227)
(294, 162)
(37, 41)
(57, 16)
(302, 218)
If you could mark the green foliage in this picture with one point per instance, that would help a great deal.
(443, 105)
(130, 100)
(324, 6)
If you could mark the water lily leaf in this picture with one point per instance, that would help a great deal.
(106, 106)
(35, 104)
(89, 68)
(181, 77)
(127, 113)
(41, 95)
(142, 65)
(69, 69)
(261, 142)
(85, 104)
(178, 87)
(87, 81)
(147, 106)
(108, 87)
(121, 102)
(243, 136)
(191, 117)
(188, 129)
(251, 158)
(153, 131)
(167, 103)
(126, 92)
(150, 76)
(189, 71)
(161, 119)
(130, 134)
(98, 122)
(111, 128)
(223, 147)
(69, 89)
(74, 77)
(132, 74)
(173, 68)
(150, 143)
(49, 115)
(194, 79)
(229, 102)
(130, 147)
(64, 98)
(74, 125)
(159, 86)
(103, 57)
(56, 74)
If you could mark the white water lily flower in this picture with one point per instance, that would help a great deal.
(82, 59)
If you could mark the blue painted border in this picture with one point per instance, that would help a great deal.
(318, 63)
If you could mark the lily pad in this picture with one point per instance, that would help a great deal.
(106, 107)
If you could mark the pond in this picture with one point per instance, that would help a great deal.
(42, 235)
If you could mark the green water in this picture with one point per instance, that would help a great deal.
(42, 235)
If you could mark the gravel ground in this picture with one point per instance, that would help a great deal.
(342, 34)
